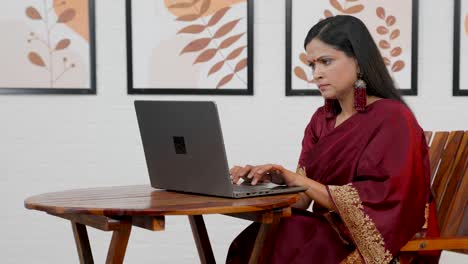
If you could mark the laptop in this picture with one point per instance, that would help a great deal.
(184, 150)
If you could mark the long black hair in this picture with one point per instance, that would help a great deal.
(349, 35)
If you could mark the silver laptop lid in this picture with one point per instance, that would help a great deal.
(184, 147)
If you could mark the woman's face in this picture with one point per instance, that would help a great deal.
(334, 72)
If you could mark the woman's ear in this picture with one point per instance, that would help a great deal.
(358, 69)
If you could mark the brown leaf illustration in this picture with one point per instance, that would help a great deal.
(327, 13)
(62, 44)
(192, 29)
(386, 61)
(226, 28)
(241, 65)
(225, 80)
(184, 5)
(216, 67)
(303, 58)
(466, 24)
(235, 53)
(196, 45)
(390, 20)
(380, 12)
(206, 55)
(229, 41)
(204, 6)
(66, 15)
(352, 0)
(354, 9)
(396, 52)
(382, 30)
(300, 73)
(395, 34)
(36, 59)
(32, 13)
(336, 5)
(188, 18)
(398, 66)
(384, 44)
(217, 16)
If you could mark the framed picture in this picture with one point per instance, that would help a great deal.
(460, 49)
(190, 47)
(392, 24)
(48, 47)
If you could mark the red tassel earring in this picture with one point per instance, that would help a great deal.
(360, 95)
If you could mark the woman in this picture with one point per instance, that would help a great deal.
(364, 161)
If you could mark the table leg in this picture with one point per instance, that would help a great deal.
(119, 243)
(201, 239)
(265, 239)
(82, 243)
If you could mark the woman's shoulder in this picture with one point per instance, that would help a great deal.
(390, 108)
(394, 113)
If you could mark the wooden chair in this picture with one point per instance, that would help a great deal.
(448, 155)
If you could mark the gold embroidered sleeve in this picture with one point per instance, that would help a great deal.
(301, 171)
(365, 234)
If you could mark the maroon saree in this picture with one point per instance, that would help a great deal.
(376, 169)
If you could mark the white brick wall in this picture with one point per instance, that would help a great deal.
(50, 143)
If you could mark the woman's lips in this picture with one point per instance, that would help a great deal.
(323, 86)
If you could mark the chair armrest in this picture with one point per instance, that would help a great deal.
(436, 243)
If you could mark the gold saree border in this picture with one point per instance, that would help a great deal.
(353, 258)
(365, 234)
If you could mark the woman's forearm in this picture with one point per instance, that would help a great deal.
(315, 190)
(303, 202)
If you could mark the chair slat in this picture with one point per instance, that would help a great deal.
(428, 135)
(444, 172)
(453, 206)
(435, 150)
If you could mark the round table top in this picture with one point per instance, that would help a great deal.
(145, 200)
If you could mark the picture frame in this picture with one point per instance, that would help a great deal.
(52, 48)
(460, 48)
(393, 26)
(195, 47)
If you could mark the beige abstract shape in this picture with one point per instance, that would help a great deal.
(214, 6)
(80, 22)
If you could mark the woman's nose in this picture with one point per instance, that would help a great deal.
(317, 74)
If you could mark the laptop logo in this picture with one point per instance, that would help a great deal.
(179, 145)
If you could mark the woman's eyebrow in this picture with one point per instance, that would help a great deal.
(319, 58)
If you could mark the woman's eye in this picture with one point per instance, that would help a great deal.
(327, 61)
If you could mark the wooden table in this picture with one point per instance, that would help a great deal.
(117, 209)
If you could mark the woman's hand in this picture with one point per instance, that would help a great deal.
(263, 173)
